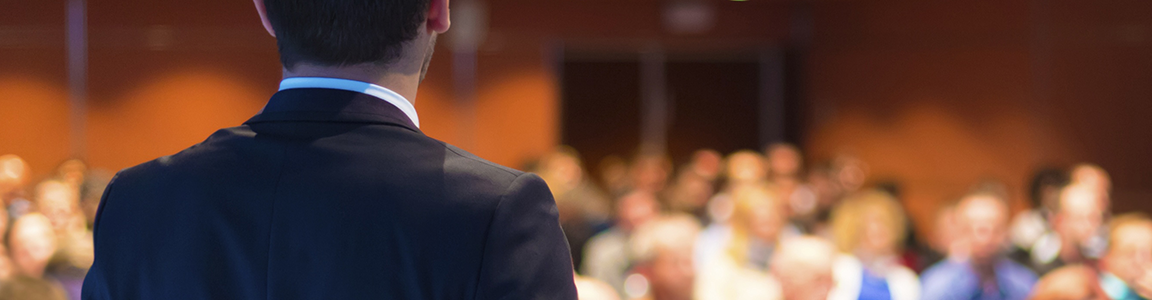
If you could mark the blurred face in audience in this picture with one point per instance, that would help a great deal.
(1129, 257)
(706, 163)
(673, 272)
(663, 249)
(58, 201)
(72, 172)
(878, 237)
(760, 211)
(692, 191)
(32, 243)
(13, 173)
(745, 167)
(850, 173)
(784, 160)
(946, 235)
(1080, 214)
(803, 266)
(983, 221)
(563, 170)
(650, 173)
(635, 209)
(1092, 176)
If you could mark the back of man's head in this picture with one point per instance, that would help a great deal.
(344, 32)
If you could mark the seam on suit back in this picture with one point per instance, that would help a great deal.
(271, 225)
(488, 233)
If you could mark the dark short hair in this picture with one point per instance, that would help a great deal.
(344, 32)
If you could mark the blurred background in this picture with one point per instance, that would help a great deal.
(923, 98)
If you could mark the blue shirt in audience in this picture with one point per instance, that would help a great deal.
(957, 280)
(874, 287)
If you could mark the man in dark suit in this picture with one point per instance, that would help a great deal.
(332, 191)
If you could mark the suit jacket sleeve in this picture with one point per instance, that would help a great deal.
(526, 255)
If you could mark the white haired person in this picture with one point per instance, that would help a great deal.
(803, 268)
(1126, 268)
(662, 254)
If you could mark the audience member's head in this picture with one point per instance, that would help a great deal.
(1092, 176)
(744, 167)
(758, 216)
(784, 161)
(650, 172)
(946, 237)
(72, 172)
(32, 243)
(1078, 217)
(1074, 282)
(561, 169)
(1129, 254)
(803, 267)
(636, 208)
(13, 173)
(690, 192)
(869, 224)
(614, 174)
(983, 220)
(662, 251)
(849, 173)
(60, 203)
(1045, 188)
(706, 163)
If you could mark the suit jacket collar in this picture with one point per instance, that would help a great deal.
(331, 105)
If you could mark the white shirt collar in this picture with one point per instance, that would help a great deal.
(355, 86)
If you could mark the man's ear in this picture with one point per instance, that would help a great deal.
(264, 16)
(438, 19)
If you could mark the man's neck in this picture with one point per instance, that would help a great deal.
(403, 84)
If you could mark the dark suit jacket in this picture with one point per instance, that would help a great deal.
(327, 194)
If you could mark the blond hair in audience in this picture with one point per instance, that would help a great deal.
(848, 219)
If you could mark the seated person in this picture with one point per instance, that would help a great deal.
(1126, 268)
(983, 272)
(606, 257)
(869, 229)
(740, 271)
(662, 252)
(803, 268)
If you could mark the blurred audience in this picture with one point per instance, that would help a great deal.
(748, 225)
(13, 178)
(978, 268)
(740, 271)
(1029, 226)
(1126, 267)
(784, 167)
(695, 184)
(869, 228)
(741, 169)
(584, 208)
(1076, 231)
(662, 257)
(803, 268)
(607, 256)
